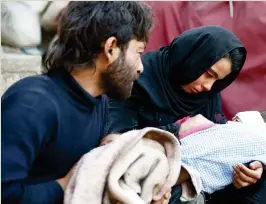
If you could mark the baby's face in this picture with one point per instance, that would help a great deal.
(108, 139)
(252, 117)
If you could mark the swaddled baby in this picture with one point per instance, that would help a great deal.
(215, 148)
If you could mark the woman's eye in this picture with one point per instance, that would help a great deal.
(209, 74)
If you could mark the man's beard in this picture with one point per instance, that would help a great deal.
(118, 80)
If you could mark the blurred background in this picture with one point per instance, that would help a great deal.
(28, 28)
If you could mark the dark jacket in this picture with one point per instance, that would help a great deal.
(158, 98)
(48, 123)
(139, 112)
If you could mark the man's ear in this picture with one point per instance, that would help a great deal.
(111, 50)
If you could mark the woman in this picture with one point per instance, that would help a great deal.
(182, 79)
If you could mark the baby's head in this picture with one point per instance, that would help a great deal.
(250, 117)
(109, 138)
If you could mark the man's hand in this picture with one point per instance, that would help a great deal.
(193, 122)
(244, 176)
(164, 200)
(65, 180)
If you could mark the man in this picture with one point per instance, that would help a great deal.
(49, 121)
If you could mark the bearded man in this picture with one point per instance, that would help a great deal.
(49, 121)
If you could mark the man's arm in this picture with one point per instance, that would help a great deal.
(27, 124)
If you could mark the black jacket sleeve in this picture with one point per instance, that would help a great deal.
(123, 116)
(24, 132)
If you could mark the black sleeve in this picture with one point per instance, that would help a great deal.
(25, 121)
(173, 128)
(123, 116)
(106, 125)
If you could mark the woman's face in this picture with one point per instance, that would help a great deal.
(218, 71)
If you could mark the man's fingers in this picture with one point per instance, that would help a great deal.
(164, 200)
(164, 191)
(167, 195)
(162, 196)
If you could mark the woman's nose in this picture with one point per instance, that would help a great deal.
(208, 86)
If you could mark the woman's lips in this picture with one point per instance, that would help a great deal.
(195, 91)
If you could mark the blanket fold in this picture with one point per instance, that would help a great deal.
(132, 169)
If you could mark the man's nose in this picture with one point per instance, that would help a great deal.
(140, 67)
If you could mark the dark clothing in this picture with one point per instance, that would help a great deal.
(48, 122)
(188, 56)
(136, 113)
(158, 99)
(139, 112)
(254, 194)
(176, 193)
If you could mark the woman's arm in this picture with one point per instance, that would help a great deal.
(243, 176)
(122, 116)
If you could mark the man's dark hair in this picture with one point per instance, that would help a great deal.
(85, 25)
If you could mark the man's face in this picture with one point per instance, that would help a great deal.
(205, 82)
(118, 80)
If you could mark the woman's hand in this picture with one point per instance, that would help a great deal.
(244, 176)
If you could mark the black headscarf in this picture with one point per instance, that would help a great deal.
(183, 61)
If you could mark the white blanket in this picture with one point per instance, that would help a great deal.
(131, 170)
(249, 117)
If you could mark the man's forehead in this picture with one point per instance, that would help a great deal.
(137, 44)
